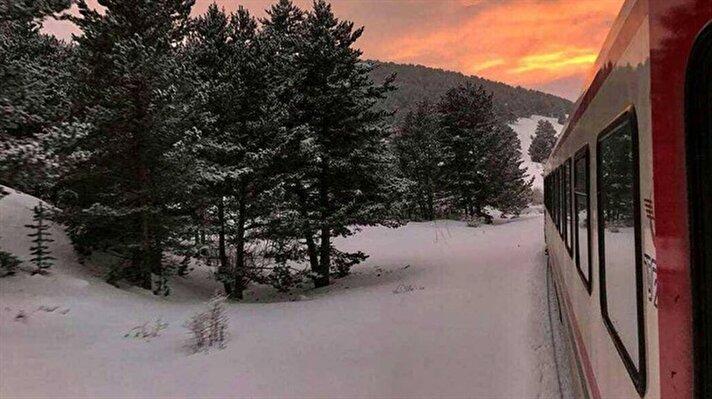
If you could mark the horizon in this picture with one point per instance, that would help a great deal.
(528, 47)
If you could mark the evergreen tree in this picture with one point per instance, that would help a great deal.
(40, 237)
(126, 195)
(514, 192)
(34, 80)
(482, 157)
(336, 165)
(8, 262)
(418, 150)
(543, 141)
(238, 150)
(469, 134)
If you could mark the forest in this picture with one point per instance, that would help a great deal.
(162, 139)
(416, 82)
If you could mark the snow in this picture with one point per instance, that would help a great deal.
(439, 310)
(525, 128)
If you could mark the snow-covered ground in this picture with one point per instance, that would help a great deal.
(439, 310)
(525, 128)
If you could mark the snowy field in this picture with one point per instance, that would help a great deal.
(439, 310)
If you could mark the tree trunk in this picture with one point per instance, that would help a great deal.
(223, 269)
(431, 206)
(306, 230)
(322, 278)
(240, 266)
(145, 255)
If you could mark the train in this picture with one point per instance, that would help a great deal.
(628, 209)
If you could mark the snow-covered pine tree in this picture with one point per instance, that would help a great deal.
(239, 149)
(514, 187)
(420, 156)
(210, 50)
(469, 135)
(482, 156)
(127, 194)
(543, 141)
(34, 80)
(40, 237)
(337, 166)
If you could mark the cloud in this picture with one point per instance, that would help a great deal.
(547, 44)
(524, 42)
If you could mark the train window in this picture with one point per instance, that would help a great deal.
(619, 242)
(555, 198)
(562, 203)
(568, 231)
(581, 225)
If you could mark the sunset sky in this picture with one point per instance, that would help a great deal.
(542, 44)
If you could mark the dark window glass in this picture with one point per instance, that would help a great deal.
(619, 241)
(582, 229)
(554, 197)
(562, 203)
(568, 231)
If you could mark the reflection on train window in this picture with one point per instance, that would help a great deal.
(618, 233)
(582, 225)
(568, 232)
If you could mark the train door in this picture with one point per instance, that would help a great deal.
(699, 163)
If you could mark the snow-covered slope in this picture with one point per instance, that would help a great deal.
(439, 310)
(525, 128)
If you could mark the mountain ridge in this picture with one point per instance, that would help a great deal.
(417, 82)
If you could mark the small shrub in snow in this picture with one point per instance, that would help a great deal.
(343, 261)
(476, 221)
(403, 288)
(40, 237)
(8, 264)
(209, 328)
(21, 316)
(147, 331)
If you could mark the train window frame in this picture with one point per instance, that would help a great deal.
(638, 375)
(585, 155)
(568, 214)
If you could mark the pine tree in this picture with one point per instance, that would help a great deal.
(127, 195)
(336, 165)
(40, 237)
(34, 85)
(420, 156)
(482, 156)
(239, 149)
(543, 141)
(8, 262)
(514, 192)
(469, 135)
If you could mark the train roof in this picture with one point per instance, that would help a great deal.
(616, 41)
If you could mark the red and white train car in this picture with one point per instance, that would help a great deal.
(629, 209)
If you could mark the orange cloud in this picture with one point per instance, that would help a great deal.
(544, 44)
(525, 42)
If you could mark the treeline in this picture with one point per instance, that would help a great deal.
(251, 143)
(416, 82)
(460, 158)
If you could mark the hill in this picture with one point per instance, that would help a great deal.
(416, 82)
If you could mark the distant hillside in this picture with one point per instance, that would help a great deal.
(416, 82)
